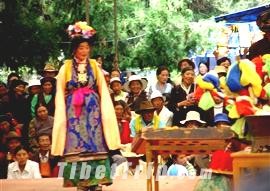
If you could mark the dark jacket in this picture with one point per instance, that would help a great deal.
(134, 102)
(53, 160)
(179, 113)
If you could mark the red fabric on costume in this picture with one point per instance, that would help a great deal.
(263, 94)
(244, 92)
(244, 107)
(125, 134)
(198, 93)
(221, 162)
(259, 64)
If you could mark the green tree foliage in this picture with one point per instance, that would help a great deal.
(151, 32)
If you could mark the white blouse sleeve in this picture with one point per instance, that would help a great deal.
(10, 174)
(36, 172)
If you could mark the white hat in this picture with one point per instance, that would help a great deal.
(115, 79)
(34, 82)
(135, 78)
(192, 116)
(156, 94)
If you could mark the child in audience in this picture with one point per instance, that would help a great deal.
(184, 161)
(222, 121)
(181, 161)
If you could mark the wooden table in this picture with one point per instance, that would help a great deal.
(177, 141)
(42, 184)
(258, 126)
(247, 160)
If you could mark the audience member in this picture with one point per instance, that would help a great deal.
(203, 68)
(224, 61)
(262, 46)
(12, 76)
(23, 168)
(116, 87)
(182, 100)
(162, 111)
(135, 86)
(47, 162)
(193, 120)
(162, 84)
(123, 121)
(181, 65)
(13, 140)
(42, 123)
(222, 121)
(49, 71)
(180, 161)
(145, 119)
(46, 97)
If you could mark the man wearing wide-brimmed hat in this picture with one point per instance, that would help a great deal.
(49, 71)
(145, 119)
(135, 86)
(192, 120)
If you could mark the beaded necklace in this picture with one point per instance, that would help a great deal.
(81, 77)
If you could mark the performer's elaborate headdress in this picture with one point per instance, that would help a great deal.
(81, 32)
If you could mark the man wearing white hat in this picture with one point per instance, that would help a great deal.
(162, 111)
(193, 120)
(135, 86)
(34, 87)
(116, 87)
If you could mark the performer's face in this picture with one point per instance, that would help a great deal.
(82, 52)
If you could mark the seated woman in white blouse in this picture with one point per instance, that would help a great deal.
(23, 168)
